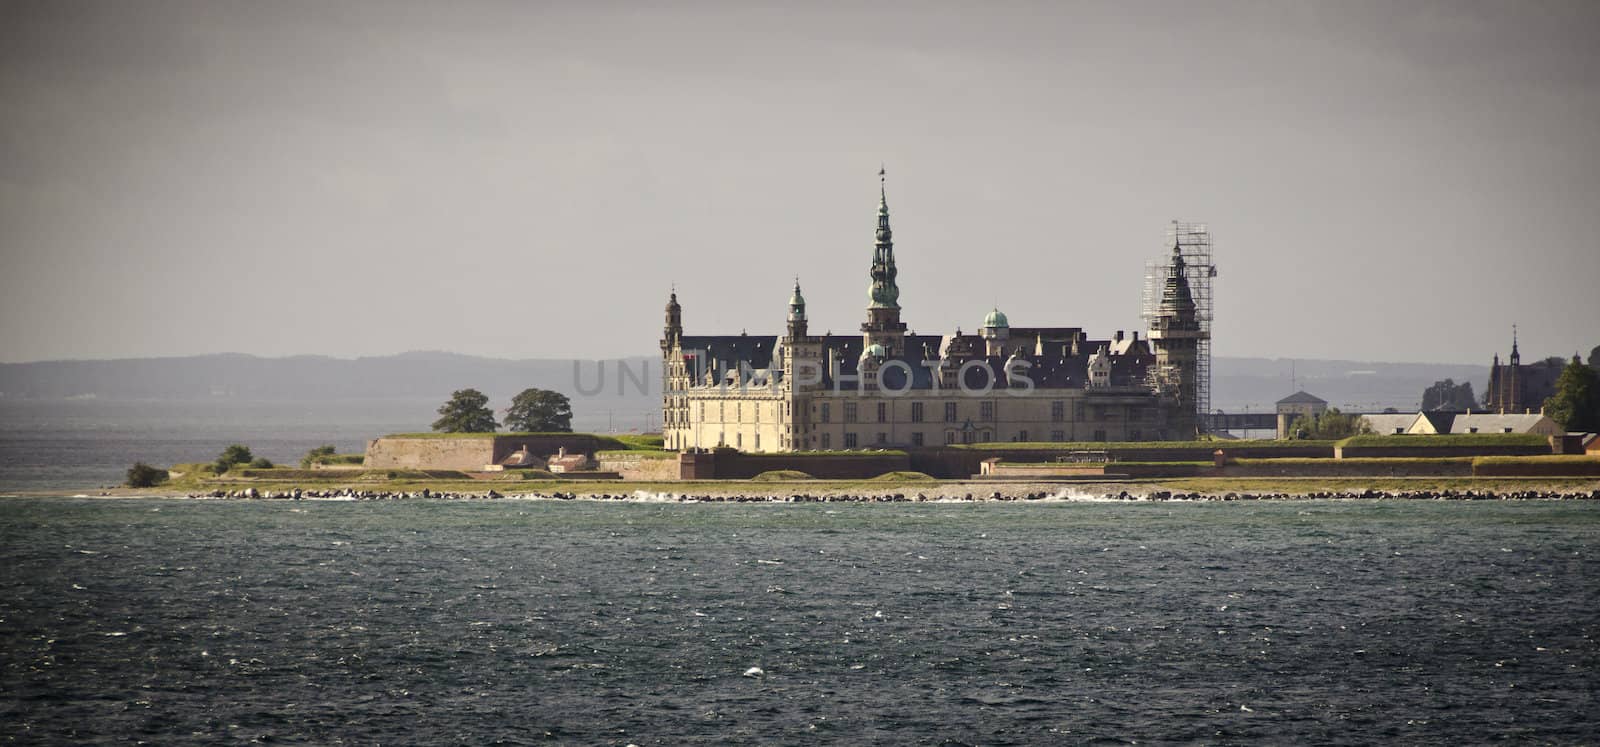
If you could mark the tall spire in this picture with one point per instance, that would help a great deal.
(1516, 357)
(883, 293)
(1176, 296)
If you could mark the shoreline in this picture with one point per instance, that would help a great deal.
(952, 492)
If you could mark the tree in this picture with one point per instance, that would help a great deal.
(261, 463)
(540, 411)
(142, 475)
(316, 455)
(1576, 403)
(466, 412)
(1331, 425)
(234, 454)
(1447, 395)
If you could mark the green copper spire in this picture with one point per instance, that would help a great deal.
(797, 302)
(883, 293)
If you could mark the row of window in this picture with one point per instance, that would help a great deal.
(1058, 412)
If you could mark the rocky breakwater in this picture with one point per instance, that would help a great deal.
(944, 494)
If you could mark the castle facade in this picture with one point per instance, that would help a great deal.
(886, 388)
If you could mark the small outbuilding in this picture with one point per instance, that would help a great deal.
(1295, 405)
(561, 462)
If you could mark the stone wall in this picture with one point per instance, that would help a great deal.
(635, 466)
(735, 465)
(1348, 452)
(956, 464)
(471, 453)
(1350, 468)
(1552, 468)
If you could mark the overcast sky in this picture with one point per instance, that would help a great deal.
(1395, 181)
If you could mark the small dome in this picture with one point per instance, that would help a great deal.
(874, 351)
(996, 319)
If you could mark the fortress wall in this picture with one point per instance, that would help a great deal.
(469, 454)
(734, 465)
(1348, 452)
(633, 467)
(1590, 468)
(1338, 468)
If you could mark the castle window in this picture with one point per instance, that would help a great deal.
(1473, 429)
(949, 412)
(916, 412)
(883, 412)
(986, 411)
(967, 436)
(1058, 411)
(849, 440)
(1505, 430)
(849, 412)
(916, 439)
(758, 442)
(827, 413)
(1134, 435)
(1077, 411)
(1058, 436)
(987, 436)
(1022, 436)
(827, 440)
(949, 437)
(738, 440)
(1100, 435)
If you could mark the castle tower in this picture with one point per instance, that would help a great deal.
(802, 375)
(996, 331)
(797, 313)
(673, 330)
(1175, 333)
(883, 326)
(674, 376)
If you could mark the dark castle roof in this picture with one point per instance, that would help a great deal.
(1057, 367)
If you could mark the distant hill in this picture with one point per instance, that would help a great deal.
(1363, 386)
(1236, 382)
(233, 376)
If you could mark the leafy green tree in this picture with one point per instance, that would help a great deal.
(142, 475)
(234, 454)
(316, 455)
(466, 412)
(261, 463)
(1576, 403)
(1331, 424)
(540, 411)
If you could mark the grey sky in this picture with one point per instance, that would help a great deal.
(1388, 181)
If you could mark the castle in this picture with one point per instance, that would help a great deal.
(889, 389)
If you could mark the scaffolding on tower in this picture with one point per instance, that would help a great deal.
(1194, 244)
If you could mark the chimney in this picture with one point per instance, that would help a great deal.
(1119, 335)
(561, 452)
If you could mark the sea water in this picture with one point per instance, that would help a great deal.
(521, 622)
